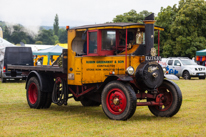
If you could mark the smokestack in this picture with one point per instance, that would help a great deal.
(149, 33)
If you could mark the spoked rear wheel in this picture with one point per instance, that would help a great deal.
(171, 98)
(59, 94)
(118, 101)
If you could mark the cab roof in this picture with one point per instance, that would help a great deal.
(113, 26)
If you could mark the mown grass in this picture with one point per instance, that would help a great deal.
(17, 119)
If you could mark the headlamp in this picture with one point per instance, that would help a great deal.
(130, 70)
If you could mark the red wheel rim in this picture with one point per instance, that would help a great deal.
(32, 93)
(167, 99)
(116, 101)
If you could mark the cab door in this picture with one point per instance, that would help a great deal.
(170, 66)
(177, 68)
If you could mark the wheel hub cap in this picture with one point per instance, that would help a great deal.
(116, 101)
(33, 93)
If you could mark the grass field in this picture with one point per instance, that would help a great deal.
(17, 119)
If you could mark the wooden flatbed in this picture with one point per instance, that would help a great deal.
(36, 68)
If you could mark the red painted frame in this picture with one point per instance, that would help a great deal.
(83, 92)
(106, 52)
(119, 47)
(92, 54)
(100, 52)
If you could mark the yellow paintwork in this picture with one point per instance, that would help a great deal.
(157, 28)
(149, 21)
(109, 27)
(45, 59)
(88, 70)
(95, 69)
(116, 27)
(71, 57)
(130, 51)
(92, 69)
(64, 45)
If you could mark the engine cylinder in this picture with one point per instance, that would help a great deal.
(149, 75)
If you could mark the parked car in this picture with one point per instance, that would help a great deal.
(15, 56)
(183, 67)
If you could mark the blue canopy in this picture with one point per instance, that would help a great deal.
(56, 50)
(201, 52)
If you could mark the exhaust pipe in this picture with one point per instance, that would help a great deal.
(149, 33)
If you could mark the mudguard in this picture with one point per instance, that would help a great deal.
(109, 78)
(45, 83)
(177, 88)
(124, 77)
(171, 77)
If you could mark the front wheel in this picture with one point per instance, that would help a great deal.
(202, 77)
(118, 101)
(186, 75)
(171, 97)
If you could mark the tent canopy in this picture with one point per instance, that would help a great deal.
(56, 50)
(3, 45)
(201, 52)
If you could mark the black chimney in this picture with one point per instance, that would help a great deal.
(149, 33)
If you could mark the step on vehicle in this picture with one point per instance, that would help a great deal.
(112, 65)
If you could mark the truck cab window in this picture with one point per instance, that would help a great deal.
(108, 39)
(92, 42)
(177, 63)
(140, 37)
(170, 62)
(133, 37)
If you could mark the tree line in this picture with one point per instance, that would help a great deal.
(18, 33)
(184, 29)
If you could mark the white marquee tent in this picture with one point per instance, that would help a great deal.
(3, 44)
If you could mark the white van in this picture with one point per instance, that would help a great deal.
(183, 67)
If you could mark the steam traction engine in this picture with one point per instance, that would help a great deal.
(112, 65)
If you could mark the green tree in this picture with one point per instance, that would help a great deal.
(62, 35)
(15, 34)
(185, 28)
(56, 25)
(7, 33)
(56, 39)
(165, 19)
(46, 36)
(132, 16)
(19, 34)
(24, 41)
(189, 28)
(38, 42)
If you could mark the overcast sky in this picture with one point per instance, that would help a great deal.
(73, 12)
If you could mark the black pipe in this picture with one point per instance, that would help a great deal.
(149, 33)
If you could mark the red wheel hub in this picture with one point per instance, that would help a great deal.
(166, 98)
(33, 93)
(116, 101)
